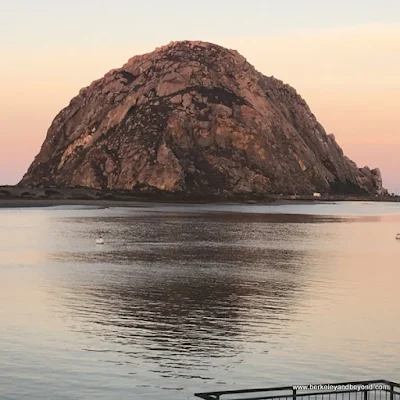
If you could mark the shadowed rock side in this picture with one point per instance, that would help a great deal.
(198, 118)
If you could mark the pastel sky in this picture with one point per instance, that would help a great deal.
(343, 57)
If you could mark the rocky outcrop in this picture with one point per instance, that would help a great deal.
(197, 118)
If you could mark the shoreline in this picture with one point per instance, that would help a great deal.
(141, 203)
(22, 197)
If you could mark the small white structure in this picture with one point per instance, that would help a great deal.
(398, 236)
(316, 194)
(100, 240)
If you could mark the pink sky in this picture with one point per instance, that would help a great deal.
(348, 76)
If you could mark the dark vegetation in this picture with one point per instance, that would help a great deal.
(146, 194)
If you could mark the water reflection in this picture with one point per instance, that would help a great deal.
(188, 298)
(182, 290)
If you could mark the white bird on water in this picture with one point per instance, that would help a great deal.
(100, 240)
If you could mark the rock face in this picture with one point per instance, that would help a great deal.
(198, 118)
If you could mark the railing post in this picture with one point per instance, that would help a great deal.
(295, 394)
(391, 392)
(365, 394)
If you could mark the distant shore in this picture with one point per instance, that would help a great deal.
(39, 203)
(16, 197)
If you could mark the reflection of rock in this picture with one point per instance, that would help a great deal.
(189, 291)
(197, 118)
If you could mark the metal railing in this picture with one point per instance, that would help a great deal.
(361, 390)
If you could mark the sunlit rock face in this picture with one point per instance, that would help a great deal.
(194, 117)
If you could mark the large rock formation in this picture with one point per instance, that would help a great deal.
(198, 118)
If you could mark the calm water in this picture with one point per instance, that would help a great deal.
(183, 299)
